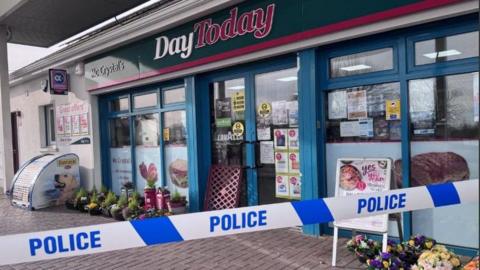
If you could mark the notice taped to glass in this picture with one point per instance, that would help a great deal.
(357, 104)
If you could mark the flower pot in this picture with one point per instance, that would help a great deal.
(94, 211)
(70, 205)
(106, 212)
(150, 198)
(177, 207)
(117, 213)
(126, 213)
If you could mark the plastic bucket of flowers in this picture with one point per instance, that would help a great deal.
(150, 175)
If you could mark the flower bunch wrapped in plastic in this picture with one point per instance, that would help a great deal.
(438, 258)
(363, 248)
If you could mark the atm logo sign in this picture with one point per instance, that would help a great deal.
(257, 22)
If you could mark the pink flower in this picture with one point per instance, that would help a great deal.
(143, 170)
(152, 174)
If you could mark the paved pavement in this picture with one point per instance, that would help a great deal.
(276, 249)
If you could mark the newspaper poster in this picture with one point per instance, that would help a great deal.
(267, 154)
(357, 104)
(279, 113)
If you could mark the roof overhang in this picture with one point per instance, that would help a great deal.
(44, 23)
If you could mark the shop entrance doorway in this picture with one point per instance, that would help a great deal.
(254, 122)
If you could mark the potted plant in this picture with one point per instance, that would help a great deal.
(93, 208)
(127, 189)
(103, 194)
(150, 175)
(116, 209)
(132, 209)
(177, 203)
(106, 205)
(81, 199)
(71, 202)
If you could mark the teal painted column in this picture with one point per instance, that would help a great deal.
(308, 97)
(198, 131)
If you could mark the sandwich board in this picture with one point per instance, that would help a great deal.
(356, 176)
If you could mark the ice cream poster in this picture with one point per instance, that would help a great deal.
(361, 176)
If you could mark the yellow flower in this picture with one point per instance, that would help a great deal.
(368, 262)
(389, 249)
(455, 262)
(386, 264)
(411, 243)
(399, 247)
(429, 244)
(445, 255)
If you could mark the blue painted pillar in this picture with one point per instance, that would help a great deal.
(198, 140)
(309, 115)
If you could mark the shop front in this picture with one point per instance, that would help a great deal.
(404, 93)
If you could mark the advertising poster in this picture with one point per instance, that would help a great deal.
(281, 162)
(337, 105)
(267, 154)
(295, 189)
(357, 104)
(84, 129)
(365, 127)
(67, 121)
(176, 166)
(293, 143)
(60, 126)
(121, 167)
(362, 176)
(279, 113)
(148, 165)
(293, 162)
(392, 109)
(281, 186)
(223, 112)
(280, 139)
(76, 125)
(292, 107)
(349, 129)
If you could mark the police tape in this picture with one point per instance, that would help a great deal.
(83, 240)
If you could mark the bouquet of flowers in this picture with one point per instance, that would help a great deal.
(438, 258)
(364, 248)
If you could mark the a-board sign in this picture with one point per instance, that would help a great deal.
(356, 176)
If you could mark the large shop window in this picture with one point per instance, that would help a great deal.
(362, 122)
(444, 117)
(155, 132)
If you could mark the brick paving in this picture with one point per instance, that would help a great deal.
(275, 249)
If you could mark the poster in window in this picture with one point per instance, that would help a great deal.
(176, 167)
(60, 127)
(75, 125)
(223, 108)
(362, 176)
(293, 162)
(380, 129)
(392, 109)
(337, 105)
(280, 138)
(349, 129)
(267, 153)
(84, 129)
(295, 185)
(148, 164)
(281, 162)
(376, 103)
(365, 127)
(357, 104)
(292, 113)
(263, 134)
(279, 113)
(476, 98)
(238, 101)
(281, 186)
(293, 143)
(67, 121)
(121, 167)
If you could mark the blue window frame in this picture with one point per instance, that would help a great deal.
(107, 114)
(405, 70)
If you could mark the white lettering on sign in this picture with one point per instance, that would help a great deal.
(258, 21)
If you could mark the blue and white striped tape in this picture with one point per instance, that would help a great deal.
(122, 235)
